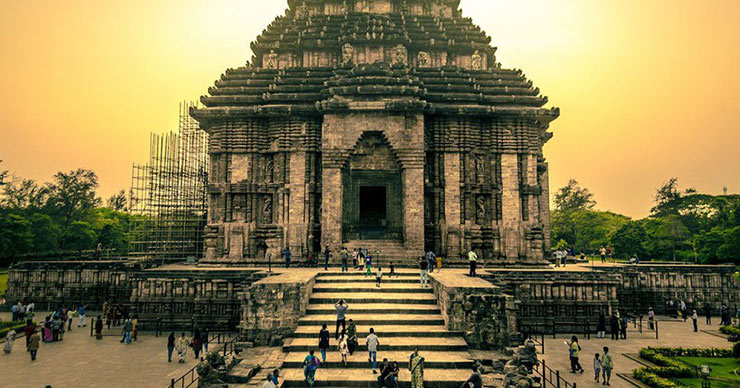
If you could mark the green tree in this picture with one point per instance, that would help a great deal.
(572, 197)
(672, 230)
(629, 240)
(47, 235)
(117, 201)
(729, 251)
(80, 235)
(16, 236)
(23, 194)
(72, 197)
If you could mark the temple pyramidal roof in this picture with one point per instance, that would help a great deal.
(391, 55)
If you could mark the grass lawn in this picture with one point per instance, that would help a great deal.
(723, 368)
(3, 281)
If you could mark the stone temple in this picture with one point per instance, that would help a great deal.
(386, 124)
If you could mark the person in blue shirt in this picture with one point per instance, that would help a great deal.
(81, 314)
(286, 253)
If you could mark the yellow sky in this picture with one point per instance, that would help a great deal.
(647, 89)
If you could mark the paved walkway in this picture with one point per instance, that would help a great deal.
(672, 333)
(83, 361)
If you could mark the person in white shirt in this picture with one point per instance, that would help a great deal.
(268, 382)
(372, 348)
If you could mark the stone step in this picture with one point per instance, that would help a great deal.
(375, 308)
(369, 280)
(354, 377)
(449, 344)
(441, 360)
(401, 272)
(385, 331)
(375, 319)
(384, 288)
(395, 298)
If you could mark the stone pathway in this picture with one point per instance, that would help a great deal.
(404, 316)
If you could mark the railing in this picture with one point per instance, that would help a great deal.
(538, 342)
(551, 377)
(191, 377)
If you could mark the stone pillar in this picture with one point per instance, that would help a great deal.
(545, 206)
(452, 204)
(332, 194)
(297, 230)
(511, 235)
(413, 209)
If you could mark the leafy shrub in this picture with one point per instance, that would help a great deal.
(736, 350)
(729, 330)
(6, 326)
(652, 380)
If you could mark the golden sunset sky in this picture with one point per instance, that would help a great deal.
(647, 89)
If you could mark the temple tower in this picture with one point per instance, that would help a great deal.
(376, 122)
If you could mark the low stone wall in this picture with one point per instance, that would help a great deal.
(272, 306)
(486, 316)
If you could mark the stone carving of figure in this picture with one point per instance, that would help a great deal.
(267, 209)
(480, 208)
(272, 60)
(348, 53)
(269, 167)
(477, 62)
(399, 55)
(302, 11)
(422, 59)
(479, 169)
(344, 9)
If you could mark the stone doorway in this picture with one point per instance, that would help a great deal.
(373, 210)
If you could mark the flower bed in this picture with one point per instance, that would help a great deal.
(669, 368)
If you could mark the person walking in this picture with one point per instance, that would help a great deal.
(345, 257)
(368, 265)
(276, 377)
(286, 255)
(614, 326)
(708, 313)
(81, 315)
(310, 364)
(423, 265)
(182, 348)
(372, 342)
(439, 263)
(475, 380)
(574, 348)
(14, 312)
(9, 340)
(416, 366)
(602, 252)
(606, 365)
(623, 326)
(197, 343)
(135, 327)
(351, 337)
(170, 345)
(597, 367)
(204, 337)
(378, 276)
(430, 260)
(327, 253)
(99, 328)
(651, 318)
(323, 342)
(34, 343)
(343, 347)
(694, 319)
(355, 259)
(127, 328)
(268, 382)
(601, 326)
(472, 259)
(341, 306)
(393, 270)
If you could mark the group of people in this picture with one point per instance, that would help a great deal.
(21, 311)
(603, 364)
(198, 343)
(618, 324)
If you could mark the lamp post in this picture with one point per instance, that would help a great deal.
(704, 371)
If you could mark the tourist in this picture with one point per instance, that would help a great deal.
(694, 318)
(393, 270)
(602, 251)
(343, 348)
(286, 255)
(81, 315)
(394, 374)
(127, 328)
(708, 313)
(29, 330)
(345, 257)
(439, 263)
(385, 373)
(275, 377)
(355, 256)
(9, 339)
(651, 318)
(170, 345)
(197, 343)
(416, 366)
(430, 260)
(574, 348)
(724, 316)
(327, 253)
(472, 258)
(182, 348)
(597, 367)
(372, 342)
(614, 326)
(323, 342)
(204, 337)
(368, 265)
(623, 326)
(352, 337)
(423, 272)
(684, 310)
(606, 365)
(14, 312)
(341, 306)
(268, 382)
(378, 276)
(135, 327)
(55, 327)
(601, 327)
(33, 345)
(310, 364)
(99, 328)
(475, 380)
(46, 334)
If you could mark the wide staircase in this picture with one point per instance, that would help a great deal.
(404, 316)
(384, 252)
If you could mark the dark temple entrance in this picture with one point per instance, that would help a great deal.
(372, 207)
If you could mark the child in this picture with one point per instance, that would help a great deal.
(378, 276)
(368, 265)
(439, 263)
(597, 367)
(393, 270)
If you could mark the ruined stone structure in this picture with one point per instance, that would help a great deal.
(386, 124)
